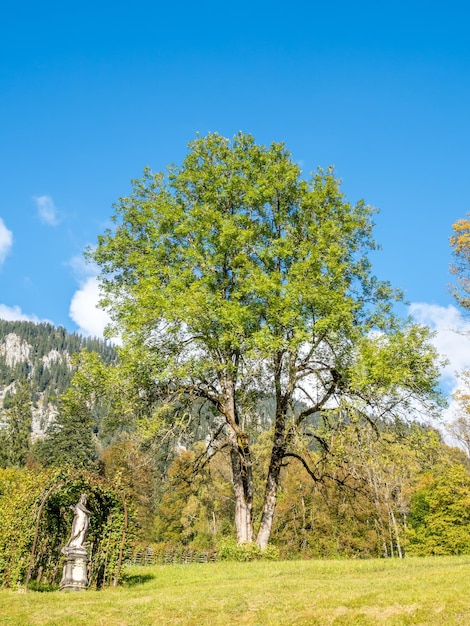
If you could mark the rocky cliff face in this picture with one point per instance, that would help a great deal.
(18, 352)
(14, 349)
(41, 354)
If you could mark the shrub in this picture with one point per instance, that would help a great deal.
(229, 550)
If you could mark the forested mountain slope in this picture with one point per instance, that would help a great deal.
(41, 355)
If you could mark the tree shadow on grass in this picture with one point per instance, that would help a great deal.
(132, 580)
(33, 585)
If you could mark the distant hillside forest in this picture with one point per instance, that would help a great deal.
(41, 355)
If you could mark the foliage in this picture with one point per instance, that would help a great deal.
(386, 463)
(439, 520)
(234, 277)
(360, 499)
(195, 508)
(323, 519)
(15, 436)
(35, 520)
(81, 428)
(131, 471)
(230, 550)
(460, 243)
(20, 494)
(359, 504)
(70, 440)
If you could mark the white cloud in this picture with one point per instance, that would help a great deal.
(47, 210)
(84, 309)
(15, 314)
(6, 240)
(452, 338)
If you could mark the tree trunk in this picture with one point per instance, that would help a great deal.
(270, 497)
(242, 473)
(397, 533)
(272, 482)
(243, 501)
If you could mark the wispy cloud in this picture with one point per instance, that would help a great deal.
(82, 268)
(15, 314)
(6, 240)
(47, 210)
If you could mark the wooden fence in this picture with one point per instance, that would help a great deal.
(170, 556)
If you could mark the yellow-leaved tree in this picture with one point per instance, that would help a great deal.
(460, 242)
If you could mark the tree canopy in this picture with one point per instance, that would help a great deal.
(232, 277)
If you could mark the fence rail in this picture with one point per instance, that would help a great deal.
(170, 556)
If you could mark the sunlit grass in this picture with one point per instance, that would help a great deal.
(411, 591)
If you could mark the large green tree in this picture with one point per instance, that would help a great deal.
(232, 276)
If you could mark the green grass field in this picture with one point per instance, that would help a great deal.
(413, 591)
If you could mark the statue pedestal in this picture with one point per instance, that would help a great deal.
(74, 577)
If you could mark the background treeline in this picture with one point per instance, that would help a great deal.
(50, 375)
(36, 368)
(383, 489)
(383, 492)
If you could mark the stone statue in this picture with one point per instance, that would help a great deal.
(80, 523)
(75, 574)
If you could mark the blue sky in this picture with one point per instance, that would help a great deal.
(90, 93)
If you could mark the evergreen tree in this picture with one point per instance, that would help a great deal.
(16, 435)
(70, 441)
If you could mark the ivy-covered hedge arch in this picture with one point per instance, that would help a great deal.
(35, 523)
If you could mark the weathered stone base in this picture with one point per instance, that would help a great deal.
(74, 577)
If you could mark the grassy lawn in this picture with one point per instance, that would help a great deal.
(413, 591)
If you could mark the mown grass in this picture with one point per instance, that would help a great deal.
(412, 591)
